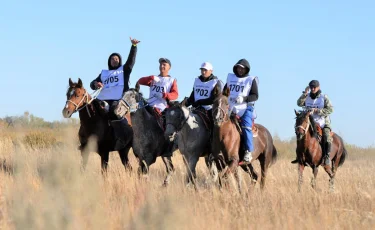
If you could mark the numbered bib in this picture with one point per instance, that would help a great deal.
(238, 87)
(156, 91)
(113, 84)
(202, 90)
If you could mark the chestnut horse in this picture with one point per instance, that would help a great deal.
(94, 123)
(309, 151)
(227, 141)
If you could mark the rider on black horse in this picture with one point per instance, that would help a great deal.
(114, 83)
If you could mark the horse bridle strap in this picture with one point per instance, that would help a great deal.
(225, 115)
(77, 106)
(303, 128)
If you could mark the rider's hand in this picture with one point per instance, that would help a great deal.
(239, 99)
(315, 110)
(307, 90)
(98, 85)
(134, 41)
(155, 79)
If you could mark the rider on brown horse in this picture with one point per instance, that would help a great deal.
(163, 88)
(243, 94)
(114, 82)
(322, 108)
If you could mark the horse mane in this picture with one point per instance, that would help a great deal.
(313, 130)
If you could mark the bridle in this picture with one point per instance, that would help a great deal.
(305, 129)
(181, 124)
(81, 104)
(225, 118)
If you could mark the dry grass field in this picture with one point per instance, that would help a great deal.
(42, 187)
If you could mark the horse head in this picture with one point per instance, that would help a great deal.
(76, 98)
(129, 102)
(303, 123)
(175, 117)
(220, 108)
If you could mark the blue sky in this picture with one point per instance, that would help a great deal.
(287, 43)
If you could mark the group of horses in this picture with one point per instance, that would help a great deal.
(189, 131)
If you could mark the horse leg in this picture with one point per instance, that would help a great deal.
(104, 160)
(331, 175)
(238, 177)
(301, 167)
(85, 158)
(253, 175)
(232, 168)
(313, 179)
(170, 169)
(211, 165)
(264, 169)
(124, 157)
(191, 163)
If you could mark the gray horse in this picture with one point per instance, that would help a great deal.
(148, 140)
(192, 136)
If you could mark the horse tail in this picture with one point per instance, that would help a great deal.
(344, 152)
(274, 155)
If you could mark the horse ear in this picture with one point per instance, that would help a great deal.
(226, 92)
(217, 90)
(71, 82)
(183, 102)
(137, 87)
(79, 83)
(297, 113)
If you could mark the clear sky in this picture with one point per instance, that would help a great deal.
(288, 43)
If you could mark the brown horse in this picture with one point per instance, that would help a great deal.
(227, 141)
(94, 123)
(309, 151)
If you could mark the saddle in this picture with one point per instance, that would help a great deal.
(237, 122)
(202, 113)
(320, 133)
(158, 116)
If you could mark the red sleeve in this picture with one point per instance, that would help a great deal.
(146, 80)
(173, 93)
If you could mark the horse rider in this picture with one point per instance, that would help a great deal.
(202, 95)
(114, 82)
(321, 108)
(243, 94)
(163, 88)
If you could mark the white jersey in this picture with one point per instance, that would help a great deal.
(239, 87)
(202, 90)
(164, 85)
(319, 104)
(113, 84)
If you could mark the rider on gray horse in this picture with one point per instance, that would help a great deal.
(114, 82)
(163, 88)
(202, 94)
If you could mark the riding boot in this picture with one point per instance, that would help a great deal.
(294, 161)
(247, 157)
(327, 160)
(119, 131)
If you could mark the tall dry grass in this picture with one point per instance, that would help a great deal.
(42, 187)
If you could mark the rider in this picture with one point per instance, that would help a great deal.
(163, 88)
(202, 94)
(321, 108)
(243, 94)
(114, 82)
